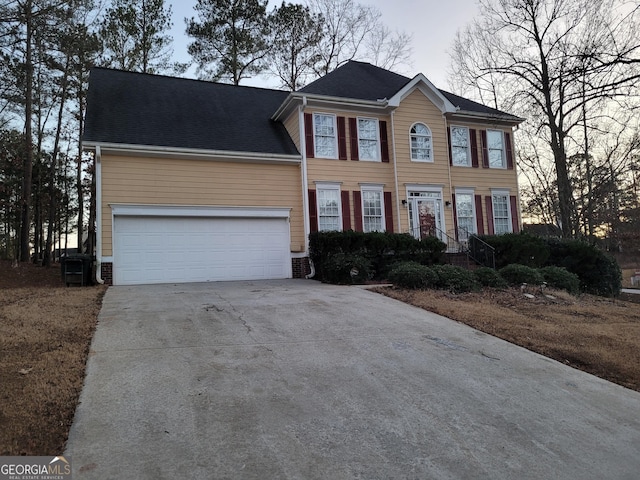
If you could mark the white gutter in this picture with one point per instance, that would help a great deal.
(449, 156)
(98, 173)
(193, 153)
(395, 171)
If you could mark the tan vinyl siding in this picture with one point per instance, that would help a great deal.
(351, 174)
(418, 108)
(292, 126)
(137, 180)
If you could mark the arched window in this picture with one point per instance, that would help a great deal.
(421, 146)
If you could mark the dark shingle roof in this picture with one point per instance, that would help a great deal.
(363, 81)
(138, 109)
(358, 80)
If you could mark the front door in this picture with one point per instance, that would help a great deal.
(425, 217)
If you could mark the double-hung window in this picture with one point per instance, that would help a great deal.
(421, 147)
(495, 146)
(324, 135)
(460, 150)
(368, 144)
(501, 212)
(465, 214)
(372, 209)
(329, 207)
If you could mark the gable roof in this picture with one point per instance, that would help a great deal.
(363, 81)
(141, 109)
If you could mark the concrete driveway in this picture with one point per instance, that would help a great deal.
(298, 380)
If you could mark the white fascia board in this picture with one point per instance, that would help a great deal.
(326, 101)
(148, 210)
(428, 89)
(508, 120)
(191, 153)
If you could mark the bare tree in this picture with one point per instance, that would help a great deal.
(559, 62)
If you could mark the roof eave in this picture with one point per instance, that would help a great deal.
(191, 153)
(297, 98)
(429, 89)
(478, 116)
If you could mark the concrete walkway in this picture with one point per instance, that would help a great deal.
(298, 380)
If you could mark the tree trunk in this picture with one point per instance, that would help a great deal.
(25, 217)
(79, 172)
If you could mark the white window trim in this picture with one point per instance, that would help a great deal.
(335, 186)
(474, 214)
(428, 160)
(379, 189)
(509, 213)
(335, 137)
(503, 166)
(377, 132)
(468, 164)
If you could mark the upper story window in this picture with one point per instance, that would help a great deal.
(421, 147)
(324, 135)
(460, 151)
(368, 144)
(495, 146)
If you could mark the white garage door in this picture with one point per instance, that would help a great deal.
(152, 249)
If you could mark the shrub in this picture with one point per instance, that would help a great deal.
(519, 248)
(346, 269)
(455, 279)
(412, 275)
(560, 277)
(488, 277)
(515, 274)
(599, 273)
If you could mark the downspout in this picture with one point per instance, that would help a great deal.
(305, 184)
(515, 169)
(450, 183)
(395, 171)
(98, 174)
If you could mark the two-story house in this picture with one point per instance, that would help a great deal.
(199, 181)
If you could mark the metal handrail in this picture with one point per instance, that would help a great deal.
(481, 252)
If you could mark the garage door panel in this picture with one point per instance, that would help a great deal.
(196, 249)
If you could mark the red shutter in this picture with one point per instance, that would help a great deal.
(357, 210)
(313, 211)
(449, 143)
(455, 215)
(342, 139)
(474, 148)
(384, 141)
(485, 149)
(353, 136)
(308, 134)
(388, 212)
(509, 148)
(515, 223)
(479, 219)
(489, 204)
(346, 211)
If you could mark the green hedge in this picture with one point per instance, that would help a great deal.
(598, 272)
(455, 279)
(488, 277)
(381, 249)
(412, 275)
(516, 274)
(346, 269)
(520, 248)
(560, 277)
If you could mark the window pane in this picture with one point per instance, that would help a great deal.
(464, 211)
(328, 210)
(460, 146)
(372, 211)
(501, 220)
(495, 147)
(367, 139)
(420, 142)
(324, 136)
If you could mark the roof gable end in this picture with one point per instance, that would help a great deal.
(428, 89)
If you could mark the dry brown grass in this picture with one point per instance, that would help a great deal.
(598, 335)
(45, 334)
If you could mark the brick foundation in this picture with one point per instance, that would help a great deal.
(106, 272)
(300, 267)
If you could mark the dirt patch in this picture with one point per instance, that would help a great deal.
(597, 335)
(45, 334)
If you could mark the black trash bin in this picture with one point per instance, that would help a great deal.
(76, 269)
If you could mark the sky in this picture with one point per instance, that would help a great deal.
(432, 24)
